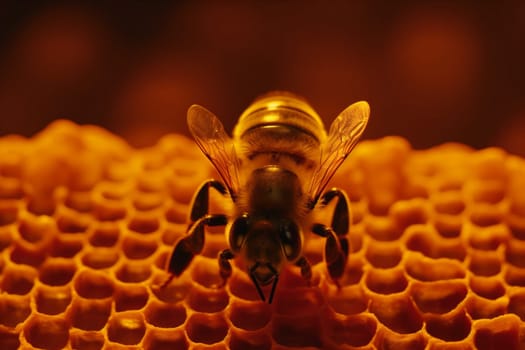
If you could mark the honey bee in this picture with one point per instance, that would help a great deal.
(275, 170)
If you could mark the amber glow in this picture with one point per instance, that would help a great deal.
(87, 222)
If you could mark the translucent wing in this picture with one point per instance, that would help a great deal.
(210, 136)
(344, 133)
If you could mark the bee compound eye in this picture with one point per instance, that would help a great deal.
(290, 240)
(238, 232)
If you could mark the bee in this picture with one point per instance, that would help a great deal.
(275, 170)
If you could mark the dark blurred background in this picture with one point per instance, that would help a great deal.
(432, 72)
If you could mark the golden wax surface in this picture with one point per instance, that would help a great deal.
(87, 223)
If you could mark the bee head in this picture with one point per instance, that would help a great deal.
(265, 245)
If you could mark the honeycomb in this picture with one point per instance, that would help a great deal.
(87, 223)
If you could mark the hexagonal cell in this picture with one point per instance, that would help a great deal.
(348, 300)
(11, 188)
(86, 340)
(481, 308)
(165, 339)
(427, 270)
(148, 201)
(138, 247)
(133, 271)
(7, 235)
(450, 203)
(438, 297)
(249, 316)
(24, 253)
(72, 222)
(90, 314)
(382, 228)
(8, 212)
(517, 303)
(177, 290)
(52, 300)
(9, 339)
(206, 328)
(484, 263)
(57, 272)
(490, 192)
(483, 215)
(81, 201)
(152, 178)
(386, 339)
(177, 213)
(130, 297)
(48, 332)
(423, 239)
(35, 229)
(66, 246)
(450, 327)
(165, 315)
(516, 225)
(515, 252)
(93, 285)
(143, 224)
(298, 301)
(127, 328)
(14, 309)
(501, 333)
(205, 271)
(302, 331)
(448, 226)
(18, 279)
(109, 210)
(100, 258)
(409, 212)
(354, 330)
(105, 235)
(487, 238)
(41, 204)
(240, 340)
(396, 312)
(514, 276)
(487, 287)
(242, 287)
(208, 300)
(386, 281)
(383, 254)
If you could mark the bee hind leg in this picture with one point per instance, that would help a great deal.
(336, 247)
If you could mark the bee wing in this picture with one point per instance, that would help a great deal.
(344, 133)
(211, 138)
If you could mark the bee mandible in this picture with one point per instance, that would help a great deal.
(275, 170)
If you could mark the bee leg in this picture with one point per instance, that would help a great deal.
(192, 244)
(225, 268)
(336, 248)
(306, 269)
(200, 202)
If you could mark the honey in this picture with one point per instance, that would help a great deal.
(87, 223)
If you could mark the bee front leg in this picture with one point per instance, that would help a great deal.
(306, 269)
(336, 248)
(225, 268)
(193, 243)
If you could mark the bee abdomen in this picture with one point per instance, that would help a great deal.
(283, 110)
(280, 127)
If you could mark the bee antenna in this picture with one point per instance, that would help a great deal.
(275, 280)
(254, 280)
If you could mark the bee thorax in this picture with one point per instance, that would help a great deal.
(273, 192)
